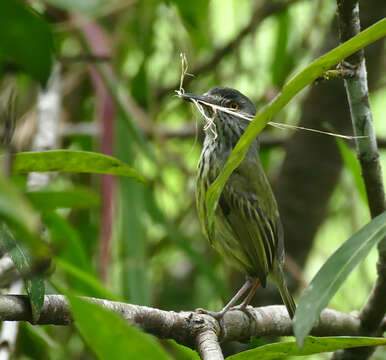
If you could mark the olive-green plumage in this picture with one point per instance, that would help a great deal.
(247, 227)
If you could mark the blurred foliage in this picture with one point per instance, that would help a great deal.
(157, 254)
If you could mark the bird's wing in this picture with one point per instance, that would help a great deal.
(249, 207)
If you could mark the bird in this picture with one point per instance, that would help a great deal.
(247, 230)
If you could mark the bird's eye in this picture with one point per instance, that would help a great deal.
(234, 105)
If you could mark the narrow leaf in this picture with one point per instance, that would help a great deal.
(72, 161)
(110, 336)
(34, 282)
(293, 87)
(333, 273)
(36, 290)
(312, 345)
(76, 198)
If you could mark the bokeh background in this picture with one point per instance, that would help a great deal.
(119, 66)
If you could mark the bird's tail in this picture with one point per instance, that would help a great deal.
(286, 296)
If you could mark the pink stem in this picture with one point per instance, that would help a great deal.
(106, 111)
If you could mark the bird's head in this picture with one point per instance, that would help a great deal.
(226, 108)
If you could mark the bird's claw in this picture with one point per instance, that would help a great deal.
(218, 315)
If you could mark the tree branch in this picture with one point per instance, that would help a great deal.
(373, 311)
(187, 328)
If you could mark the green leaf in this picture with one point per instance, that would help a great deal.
(67, 241)
(22, 260)
(183, 352)
(18, 213)
(36, 290)
(312, 345)
(352, 163)
(293, 87)
(333, 273)
(92, 286)
(110, 336)
(26, 39)
(72, 161)
(76, 198)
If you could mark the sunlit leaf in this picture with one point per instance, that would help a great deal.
(333, 273)
(25, 38)
(293, 87)
(72, 161)
(312, 345)
(110, 336)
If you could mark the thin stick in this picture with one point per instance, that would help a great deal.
(274, 124)
(295, 127)
(184, 72)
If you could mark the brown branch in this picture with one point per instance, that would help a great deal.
(259, 14)
(185, 326)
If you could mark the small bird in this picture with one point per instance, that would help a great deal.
(247, 229)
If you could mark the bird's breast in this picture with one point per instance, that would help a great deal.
(213, 158)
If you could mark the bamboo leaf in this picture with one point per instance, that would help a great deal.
(312, 345)
(333, 273)
(293, 87)
(72, 161)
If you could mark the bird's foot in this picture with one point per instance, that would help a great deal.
(218, 315)
(242, 307)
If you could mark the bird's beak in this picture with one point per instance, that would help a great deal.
(192, 97)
